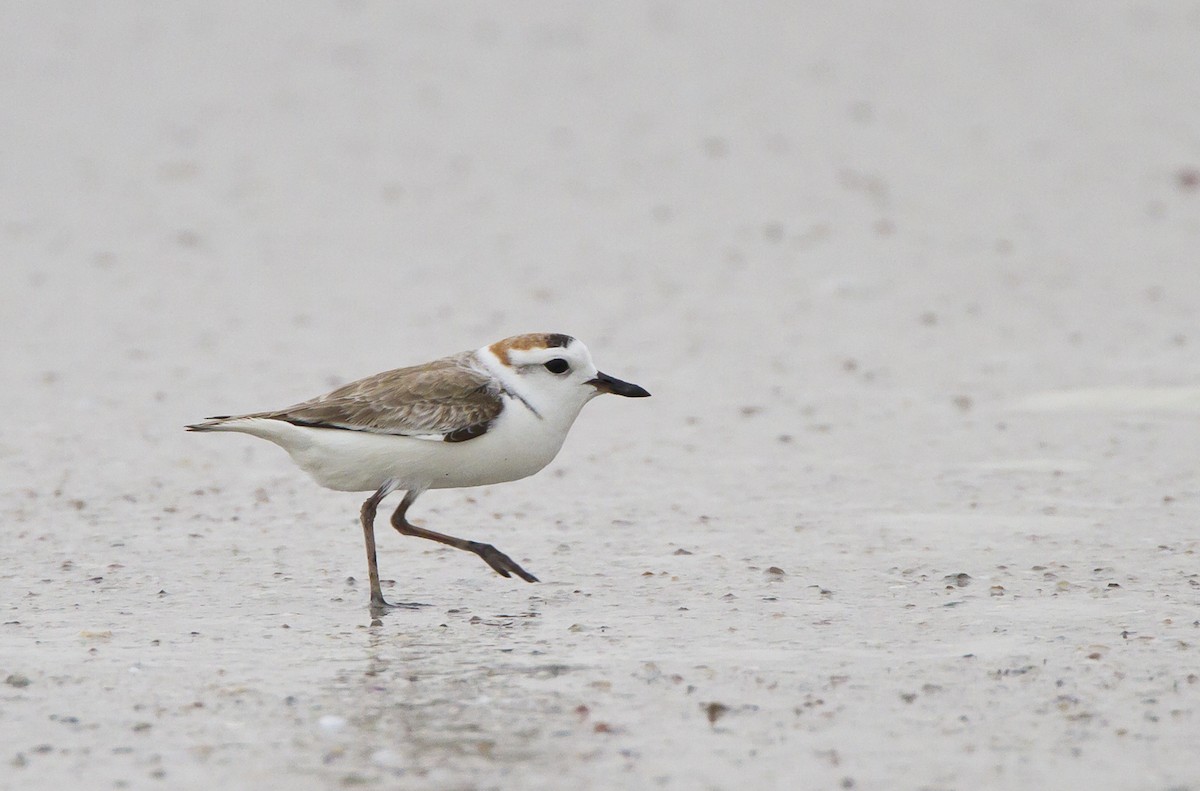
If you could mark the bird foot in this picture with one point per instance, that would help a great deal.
(380, 607)
(501, 563)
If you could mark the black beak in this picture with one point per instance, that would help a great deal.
(610, 384)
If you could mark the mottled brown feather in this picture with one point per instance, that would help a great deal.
(447, 397)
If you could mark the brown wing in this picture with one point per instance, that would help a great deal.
(446, 397)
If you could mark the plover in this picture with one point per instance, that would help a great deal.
(499, 413)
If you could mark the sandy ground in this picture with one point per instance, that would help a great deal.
(915, 287)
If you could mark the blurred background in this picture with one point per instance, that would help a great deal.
(259, 200)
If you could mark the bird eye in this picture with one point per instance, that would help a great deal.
(557, 366)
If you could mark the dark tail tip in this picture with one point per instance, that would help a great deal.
(208, 424)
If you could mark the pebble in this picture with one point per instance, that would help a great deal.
(331, 723)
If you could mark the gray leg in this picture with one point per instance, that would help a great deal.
(367, 516)
(502, 563)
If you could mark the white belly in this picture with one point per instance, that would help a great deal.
(518, 445)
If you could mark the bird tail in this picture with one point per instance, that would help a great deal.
(215, 423)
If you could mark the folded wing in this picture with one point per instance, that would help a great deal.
(446, 399)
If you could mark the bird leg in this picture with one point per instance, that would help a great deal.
(368, 525)
(500, 562)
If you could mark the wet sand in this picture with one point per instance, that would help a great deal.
(913, 506)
